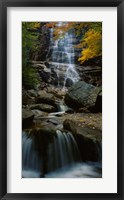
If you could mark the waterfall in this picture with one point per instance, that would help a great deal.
(31, 164)
(62, 108)
(61, 152)
(63, 158)
(62, 57)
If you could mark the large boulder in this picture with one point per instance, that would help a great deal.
(57, 92)
(45, 97)
(39, 113)
(69, 82)
(82, 94)
(27, 117)
(88, 140)
(99, 102)
(43, 107)
(45, 74)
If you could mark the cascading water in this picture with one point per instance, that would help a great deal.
(62, 108)
(61, 152)
(62, 57)
(31, 164)
(63, 159)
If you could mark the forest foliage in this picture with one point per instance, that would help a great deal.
(90, 43)
(91, 37)
(30, 43)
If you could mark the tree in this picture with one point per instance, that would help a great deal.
(90, 33)
(30, 40)
(30, 43)
(91, 43)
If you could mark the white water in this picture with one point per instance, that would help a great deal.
(78, 170)
(63, 53)
(63, 159)
(62, 108)
(30, 160)
(62, 151)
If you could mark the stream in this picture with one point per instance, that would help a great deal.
(63, 157)
(60, 154)
(63, 160)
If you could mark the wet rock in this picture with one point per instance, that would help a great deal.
(57, 92)
(82, 95)
(47, 128)
(32, 93)
(61, 79)
(83, 110)
(39, 113)
(69, 82)
(60, 94)
(42, 137)
(69, 111)
(99, 102)
(88, 140)
(54, 77)
(27, 117)
(54, 121)
(27, 98)
(45, 97)
(45, 75)
(42, 107)
(85, 131)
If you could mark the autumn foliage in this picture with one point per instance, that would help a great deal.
(91, 37)
(91, 45)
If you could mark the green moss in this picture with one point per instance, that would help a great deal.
(29, 78)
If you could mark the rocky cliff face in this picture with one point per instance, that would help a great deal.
(44, 38)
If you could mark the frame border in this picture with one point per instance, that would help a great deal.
(3, 94)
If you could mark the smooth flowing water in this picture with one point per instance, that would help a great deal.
(30, 159)
(62, 151)
(61, 107)
(62, 57)
(63, 159)
(78, 170)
